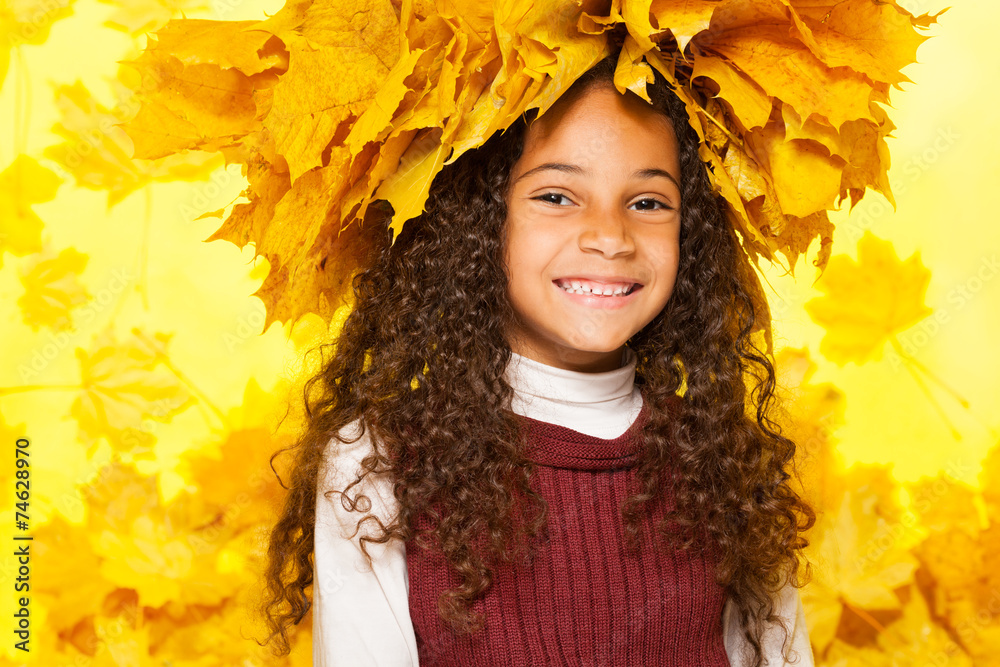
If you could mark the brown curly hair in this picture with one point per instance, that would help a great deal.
(420, 363)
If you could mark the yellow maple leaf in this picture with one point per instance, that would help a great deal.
(683, 19)
(61, 552)
(136, 17)
(959, 557)
(10, 431)
(797, 235)
(52, 289)
(739, 177)
(868, 302)
(756, 38)
(944, 505)
(125, 388)
(414, 175)
(197, 85)
(116, 493)
(844, 654)
(859, 144)
(865, 150)
(313, 99)
(311, 331)
(247, 222)
(750, 104)
(857, 560)
(27, 22)
(796, 58)
(156, 558)
(990, 483)
(875, 39)
(238, 45)
(165, 552)
(237, 488)
(223, 632)
(119, 634)
(321, 273)
(97, 152)
(806, 178)
(916, 638)
(22, 184)
(812, 130)
(811, 413)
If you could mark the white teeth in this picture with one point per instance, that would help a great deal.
(576, 287)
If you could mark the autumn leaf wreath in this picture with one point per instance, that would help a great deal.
(331, 111)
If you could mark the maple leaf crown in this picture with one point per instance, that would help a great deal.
(332, 110)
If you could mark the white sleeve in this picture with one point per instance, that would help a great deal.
(799, 651)
(361, 615)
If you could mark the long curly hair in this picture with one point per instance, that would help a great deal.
(420, 363)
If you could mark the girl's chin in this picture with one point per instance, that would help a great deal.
(587, 360)
(590, 349)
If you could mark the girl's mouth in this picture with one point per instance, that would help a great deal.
(594, 295)
(591, 288)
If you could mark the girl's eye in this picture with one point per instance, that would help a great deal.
(653, 202)
(556, 195)
(649, 204)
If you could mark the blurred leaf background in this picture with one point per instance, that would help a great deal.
(136, 364)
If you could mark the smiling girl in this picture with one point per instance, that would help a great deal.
(592, 235)
(543, 437)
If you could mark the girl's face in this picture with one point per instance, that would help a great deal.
(594, 205)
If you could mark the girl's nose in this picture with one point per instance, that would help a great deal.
(607, 232)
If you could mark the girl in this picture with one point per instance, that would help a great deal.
(543, 436)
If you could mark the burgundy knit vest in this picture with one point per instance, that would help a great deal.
(584, 599)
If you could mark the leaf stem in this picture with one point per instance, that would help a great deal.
(144, 248)
(5, 391)
(902, 353)
(864, 615)
(908, 362)
(185, 379)
(22, 117)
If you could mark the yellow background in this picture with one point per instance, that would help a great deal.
(944, 175)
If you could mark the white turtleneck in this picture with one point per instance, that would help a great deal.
(361, 615)
(603, 404)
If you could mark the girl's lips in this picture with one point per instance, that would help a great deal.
(606, 302)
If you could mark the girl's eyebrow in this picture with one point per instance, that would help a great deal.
(649, 172)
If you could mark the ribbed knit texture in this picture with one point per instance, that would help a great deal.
(584, 599)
